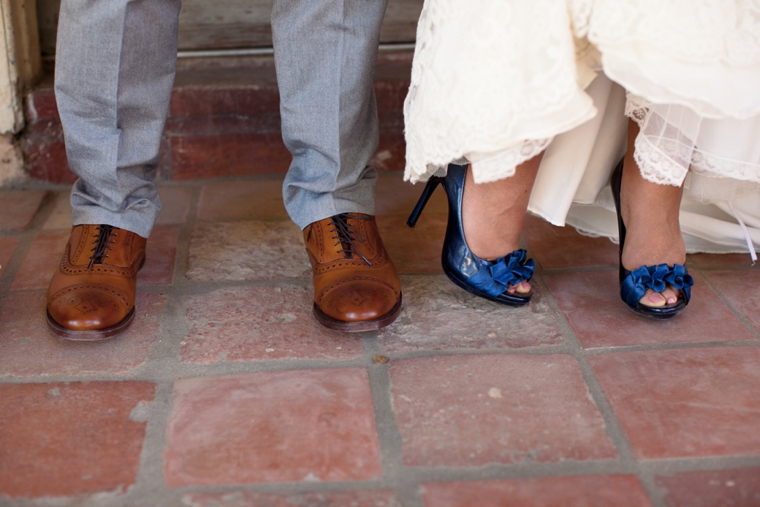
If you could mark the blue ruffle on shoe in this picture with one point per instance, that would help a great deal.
(486, 279)
(635, 283)
(495, 277)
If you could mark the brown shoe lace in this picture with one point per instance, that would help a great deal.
(102, 244)
(347, 235)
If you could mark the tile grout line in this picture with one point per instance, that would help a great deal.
(389, 435)
(178, 369)
(752, 329)
(183, 242)
(150, 483)
(613, 428)
(498, 471)
(163, 357)
(699, 463)
(265, 365)
(25, 238)
(13, 266)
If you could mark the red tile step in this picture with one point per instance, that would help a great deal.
(474, 410)
(278, 426)
(70, 438)
(685, 403)
(223, 120)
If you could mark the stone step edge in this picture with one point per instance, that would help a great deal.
(223, 121)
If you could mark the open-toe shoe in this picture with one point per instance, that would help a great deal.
(634, 284)
(487, 279)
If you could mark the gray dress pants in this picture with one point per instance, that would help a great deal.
(115, 67)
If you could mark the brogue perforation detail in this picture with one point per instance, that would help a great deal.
(92, 286)
(328, 288)
(319, 240)
(80, 247)
(130, 245)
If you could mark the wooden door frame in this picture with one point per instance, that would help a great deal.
(20, 60)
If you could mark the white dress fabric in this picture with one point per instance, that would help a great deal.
(496, 82)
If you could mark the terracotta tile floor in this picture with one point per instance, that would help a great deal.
(227, 393)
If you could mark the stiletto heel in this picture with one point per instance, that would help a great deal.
(634, 284)
(487, 279)
(432, 184)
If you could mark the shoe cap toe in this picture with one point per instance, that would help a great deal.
(87, 310)
(359, 301)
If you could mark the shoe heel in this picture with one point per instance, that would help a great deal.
(424, 198)
(616, 181)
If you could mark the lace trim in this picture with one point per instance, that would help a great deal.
(654, 162)
(711, 165)
(494, 167)
(656, 166)
(636, 108)
(445, 112)
(666, 160)
(503, 164)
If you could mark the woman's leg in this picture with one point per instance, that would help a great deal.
(493, 214)
(650, 213)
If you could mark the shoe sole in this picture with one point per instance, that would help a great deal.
(358, 327)
(90, 336)
(516, 303)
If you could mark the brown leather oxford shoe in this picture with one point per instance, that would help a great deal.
(92, 294)
(356, 287)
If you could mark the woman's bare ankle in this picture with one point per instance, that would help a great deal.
(650, 213)
(493, 213)
(653, 233)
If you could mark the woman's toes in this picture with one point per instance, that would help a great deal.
(521, 288)
(653, 299)
(670, 294)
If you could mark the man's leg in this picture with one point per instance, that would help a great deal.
(325, 54)
(114, 73)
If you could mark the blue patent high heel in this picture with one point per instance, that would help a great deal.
(487, 279)
(634, 284)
